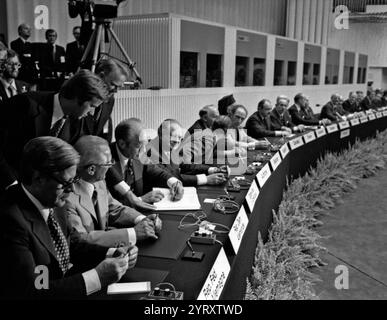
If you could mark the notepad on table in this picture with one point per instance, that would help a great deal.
(190, 200)
(129, 287)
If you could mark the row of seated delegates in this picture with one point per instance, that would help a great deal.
(9, 84)
(131, 179)
(164, 151)
(34, 235)
(352, 104)
(334, 110)
(93, 213)
(35, 114)
(375, 99)
(302, 113)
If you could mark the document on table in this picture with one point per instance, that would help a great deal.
(190, 200)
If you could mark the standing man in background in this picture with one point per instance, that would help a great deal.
(74, 52)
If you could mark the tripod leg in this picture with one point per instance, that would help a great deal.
(122, 49)
(88, 48)
(96, 47)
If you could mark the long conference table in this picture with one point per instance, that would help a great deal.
(223, 272)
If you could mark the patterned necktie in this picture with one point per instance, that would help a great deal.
(94, 198)
(60, 243)
(129, 175)
(57, 127)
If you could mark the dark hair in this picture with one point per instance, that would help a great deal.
(84, 86)
(124, 129)
(89, 148)
(222, 122)
(234, 109)
(48, 31)
(261, 103)
(76, 27)
(106, 66)
(10, 54)
(47, 155)
(298, 97)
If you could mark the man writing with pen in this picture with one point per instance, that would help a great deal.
(93, 213)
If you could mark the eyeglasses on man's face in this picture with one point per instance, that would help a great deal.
(67, 186)
(106, 165)
(13, 64)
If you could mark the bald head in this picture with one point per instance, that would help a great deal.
(130, 137)
(24, 31)
(92, 150)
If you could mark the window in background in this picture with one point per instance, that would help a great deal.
(259, 72)
(349, 66)
(189, 69)
(332, 66)
(285, 66)
(312, 65)
(292, 71)
(279, 78)
(241, 71)
(362, 70)
(214, 70)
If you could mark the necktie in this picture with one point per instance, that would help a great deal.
(129, 175)
(60, 243)
(57, 127)
(53, 54)
(11, 91)
(94, 198)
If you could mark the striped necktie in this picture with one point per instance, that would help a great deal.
(58, 126)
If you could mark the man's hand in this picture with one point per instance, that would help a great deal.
(131, 252)
(282, 133)
(144, 230)
(157, 223)
(152, 197)
(325, 122)
(136, 203)
(112, 269)
(299, 128)
(286, 129)
(262, 144)
(215, 179)
(177, 191)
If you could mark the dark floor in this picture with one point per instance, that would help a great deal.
(356, 233)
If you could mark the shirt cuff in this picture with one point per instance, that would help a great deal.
(172, 181)
(92, 282)
(212, 170)
(202, 179)
(122, 188)
(110, 252)
(132, 236)
(139, 219)
(12, 184)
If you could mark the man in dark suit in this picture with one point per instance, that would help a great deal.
(131, 176)
(25, 50)
(163, 151)
(114, 74)
(367, 102)
(302, 113)
(207, 116)
(351, 105)
(9, 85)
(42, 261)
(74, 52)
(280, 117)
(52, 58)
(333, 110)
(259, 124)
(35, 114)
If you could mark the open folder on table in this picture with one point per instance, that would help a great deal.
(190, 200)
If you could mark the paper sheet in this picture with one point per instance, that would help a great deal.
(190, 200)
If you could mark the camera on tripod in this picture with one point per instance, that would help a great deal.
(100, 9)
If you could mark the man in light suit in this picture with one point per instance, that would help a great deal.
(36, 114)
(36, 240)
(92, 211)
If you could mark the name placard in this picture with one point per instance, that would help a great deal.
(284, 150)
(309, 137)
(275, 161)
(263, 175)
(296, 143)
(252, 195)
(320, 132)
(371, 117)
(363, 120)
(379, 115)
(216, 279)
(355, 122)
(344, 125)
(345, 133)
(238, 229)
(332, 128)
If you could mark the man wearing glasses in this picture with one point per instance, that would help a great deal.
(36, 114)
(35, 238)
(92, 211)
(10, 68)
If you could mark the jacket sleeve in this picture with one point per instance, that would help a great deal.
(297, 119)
(256, 130)
(327, 113)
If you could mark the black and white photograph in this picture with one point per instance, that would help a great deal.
(211, 152)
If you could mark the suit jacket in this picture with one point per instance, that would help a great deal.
(27, 56)
(21, 87)
(351, 108)
(145, 176)
(259, 128)
(279, 121)
(366, 104)
(304, 116)
(25, 117)
(198, 125)
(94, 125)
(186, 173)
(74, 55)
(331, 112)
(48, 65)
(198, 148)
(26, 242)
(83, 218)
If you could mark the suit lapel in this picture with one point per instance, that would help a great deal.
(85, 200)
(44, 117)
(102, 204)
